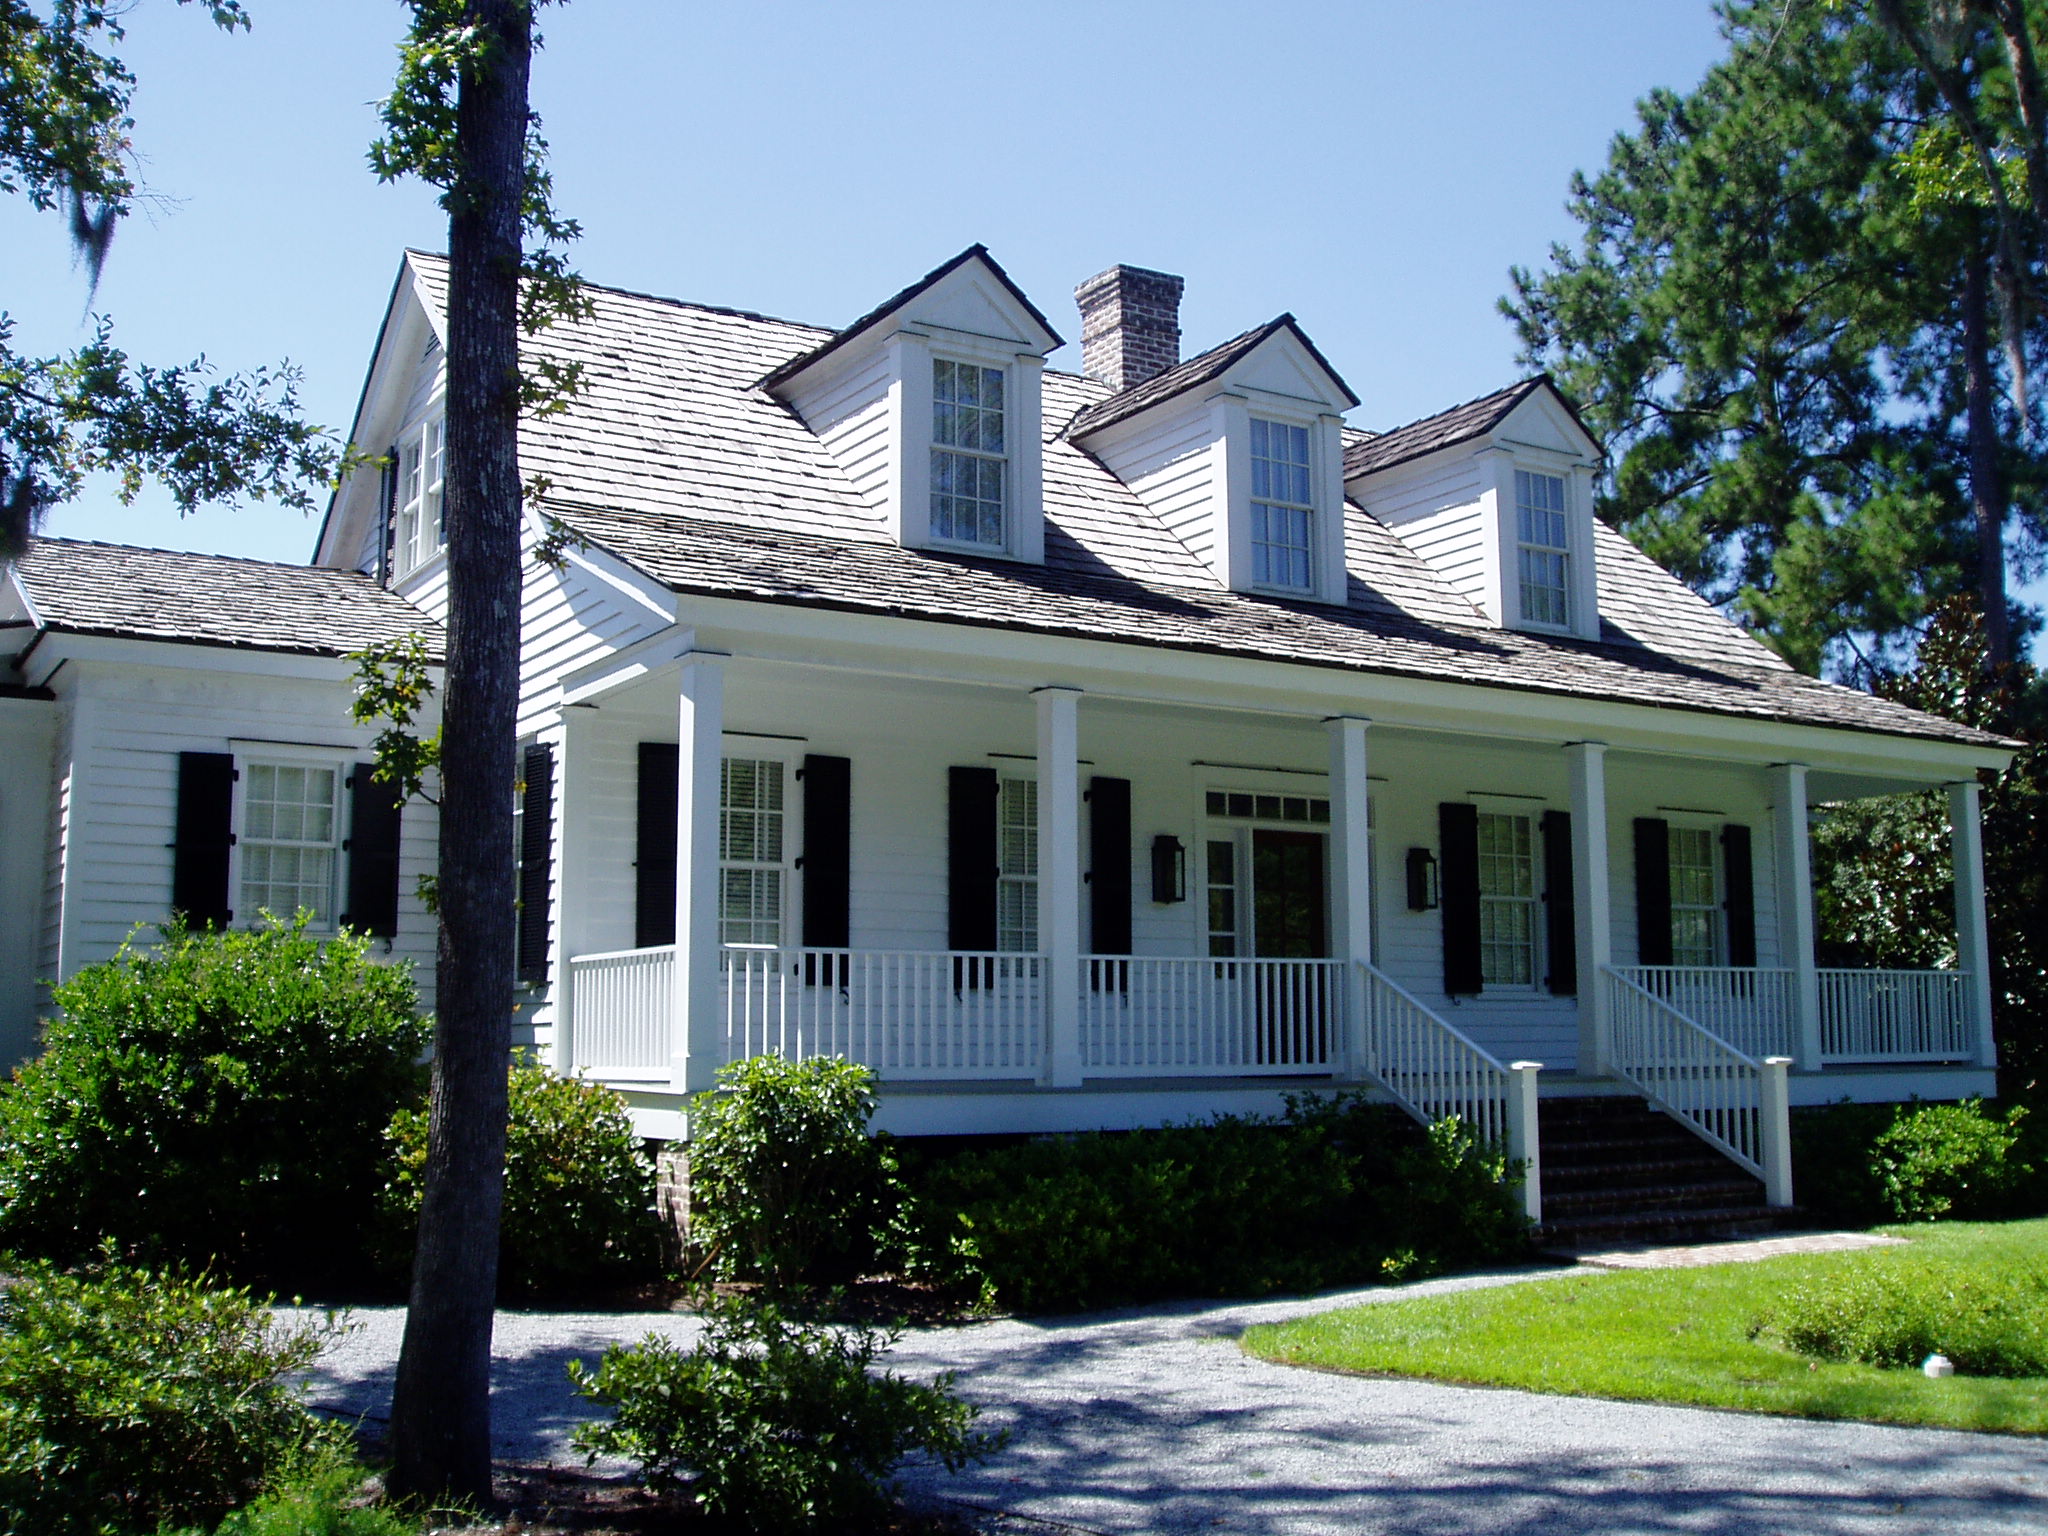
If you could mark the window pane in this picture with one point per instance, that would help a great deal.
(1507, 900)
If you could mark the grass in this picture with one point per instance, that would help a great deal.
(1675, 1336)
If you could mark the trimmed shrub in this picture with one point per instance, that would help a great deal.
(1338, 1192)
(1897, 1310)
(579, 1190)
(1951, 1160)
(786, 1184)
(772, 1424)
(130, 1401)
(219, 1099)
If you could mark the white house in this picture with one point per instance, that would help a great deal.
(1079, 750)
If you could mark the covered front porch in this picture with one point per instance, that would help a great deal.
(1061, 906)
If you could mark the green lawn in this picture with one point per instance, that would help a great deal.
(1673, 1336)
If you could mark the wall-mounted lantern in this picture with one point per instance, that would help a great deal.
(1169, 869)
(1422, 884)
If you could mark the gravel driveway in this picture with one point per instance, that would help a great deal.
(1153, 1420)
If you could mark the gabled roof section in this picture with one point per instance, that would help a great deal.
(81, 588)
(1201, 369)
(1447, 429)
(898, 302)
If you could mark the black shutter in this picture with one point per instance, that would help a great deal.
(654, 847)
(372, 854)
(1737, 860)
(971, 858)
(1109, 865)
(199, 863)
(1457, 825)
(536, 863)
(1561, 928)
(828, 851)
(1653, 891)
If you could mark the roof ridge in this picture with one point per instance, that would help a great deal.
(1528, 381)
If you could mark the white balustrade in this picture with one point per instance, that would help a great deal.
(1432, 1069)
(1755, 1009)
(1182, 1016)
(1872, 1016)
(621, 1013)
(910, 1015)
(1706, 1083)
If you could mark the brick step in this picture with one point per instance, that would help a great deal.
(1721, 1194)
(1576, 1234)
(1607, 1149)
(1636, 1175)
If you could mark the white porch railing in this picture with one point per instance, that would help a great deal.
(910, 1015)
(1149, 1016)
(621, 1013)
(1731, 1100)
(1756, 1010)
(1895, 1016)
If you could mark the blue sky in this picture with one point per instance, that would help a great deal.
(1375, 167)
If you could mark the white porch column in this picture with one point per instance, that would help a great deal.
(698, 1035)
(1059, 879)
(1973, 946)
(1794, 859)
(1350, 874)
(1592, 901)
(578, 800)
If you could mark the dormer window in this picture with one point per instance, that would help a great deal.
(1545, 554)
(969, 454)
(1283, 510)
(422, 462)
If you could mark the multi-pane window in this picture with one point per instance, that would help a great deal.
(290, 839)
(1017, 866)
(1695, 897)
(1282, 509)
(422, 465)
(750, 844)
(1222, 887)
(968, 454)
(1545, 555)
(1507, 900)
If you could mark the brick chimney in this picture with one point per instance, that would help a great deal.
(1130, 325)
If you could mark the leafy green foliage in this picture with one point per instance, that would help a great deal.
(1339, 1192)
(218, 1099)
(579, 1190)
(773, 1424)
(393, 686)
(1951, 1160)
(129, 1401)
(321, 1496)
(786, 1184)
(1896, 1309)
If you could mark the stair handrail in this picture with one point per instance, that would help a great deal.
(1434, 1070)
(1736, 1103)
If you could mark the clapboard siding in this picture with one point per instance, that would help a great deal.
(1173, 466)
(852, 416)
(569, 619)
(1440, 511)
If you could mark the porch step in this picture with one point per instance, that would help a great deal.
(1617, 1172)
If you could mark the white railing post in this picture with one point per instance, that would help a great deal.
(1973, 949)
(1525, 1143)
(1350, 878)
(1591, 902)
(698, 1033)
(1793, 856)
(1059, 880)
(1774, 1108)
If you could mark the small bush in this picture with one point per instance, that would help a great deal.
(130, 1401)
(773, 1424)
(1897, 1311)
(579, 1190)
(1339, 1192)
(1950, 1160)
(786, 1184)
(325, 1497)
(219, 1099)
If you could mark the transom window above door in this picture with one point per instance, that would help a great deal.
(1242, 805)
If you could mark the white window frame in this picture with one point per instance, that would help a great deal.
(1274, 503)
(419, 524)
(1532, 548)
(249, 913)
(1247, 807)
(975, 454)
(781, 866)
(1017, 865)
(1709, 911)
(1523, 906)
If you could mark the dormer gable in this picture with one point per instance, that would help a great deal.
(1497, 496)
(931, 405)
(1240, 451)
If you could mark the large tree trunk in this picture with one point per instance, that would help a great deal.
(440, 1418)
(1988, 503)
